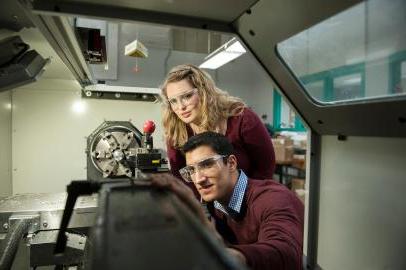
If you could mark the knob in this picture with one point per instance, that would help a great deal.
(149, 127)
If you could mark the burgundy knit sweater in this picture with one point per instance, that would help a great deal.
(269, 228)
(252, 147)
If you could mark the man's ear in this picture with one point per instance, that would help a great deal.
(232, 162)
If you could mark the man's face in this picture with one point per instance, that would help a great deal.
(212, 177)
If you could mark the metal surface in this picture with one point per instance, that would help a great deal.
(24, 70)
(107, 151)
(362, 203)
(49, 208)
(122, 89)
(151, 236)
(59, 33)
(9, 245)
(117, 149)
(209, 14)
(42, 246)
(33, 221)
(13, 17)
(314, 195)
(109, 147)
(103, 91)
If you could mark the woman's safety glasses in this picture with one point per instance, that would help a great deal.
(182, 99)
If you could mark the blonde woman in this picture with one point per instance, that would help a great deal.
(193, 104)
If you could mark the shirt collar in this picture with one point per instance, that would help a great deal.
(237, 197)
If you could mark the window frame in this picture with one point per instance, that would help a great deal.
(395, 63)
(277, 115)
(328, 77)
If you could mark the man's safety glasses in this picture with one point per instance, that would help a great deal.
(205, 167)
(182, 99)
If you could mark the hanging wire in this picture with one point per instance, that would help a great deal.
(136, 59)
(208, 43)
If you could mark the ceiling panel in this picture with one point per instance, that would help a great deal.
(225, 10)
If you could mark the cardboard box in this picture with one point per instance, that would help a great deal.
(282, 141)
(283, 147)
(303, 144)
(301, 194)
(299, 161)
(297, 183)
(136, 49)
(283, 154)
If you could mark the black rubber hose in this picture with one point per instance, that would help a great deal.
(9, 245)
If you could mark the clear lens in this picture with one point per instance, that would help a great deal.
(173, 101)
(183, 98)
(205, 166)
(184, 172)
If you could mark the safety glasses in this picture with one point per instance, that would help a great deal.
(205, 167)
(182, 99)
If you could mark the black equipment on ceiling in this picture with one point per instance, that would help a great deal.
(18, 64)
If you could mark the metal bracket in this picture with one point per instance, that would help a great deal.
(34, 221)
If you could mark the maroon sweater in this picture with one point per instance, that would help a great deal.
(252, 147)
(269, 228)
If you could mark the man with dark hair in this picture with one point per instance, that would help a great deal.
(260, 221)
(219, 144)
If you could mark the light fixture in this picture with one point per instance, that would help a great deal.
(78, 107)
(226, 53)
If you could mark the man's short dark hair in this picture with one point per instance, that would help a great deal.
(218, 143)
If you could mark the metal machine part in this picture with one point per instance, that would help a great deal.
(163, 222)
(118, 149)
(162, 227)
(108, 148)
(18, 66)
(37, 216)
(42, 247)
(49, 209)
(9, 247)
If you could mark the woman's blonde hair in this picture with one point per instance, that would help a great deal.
(215, 104)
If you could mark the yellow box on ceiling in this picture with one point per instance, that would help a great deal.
(136, 49)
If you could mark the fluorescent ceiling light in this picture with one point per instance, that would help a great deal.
(226, 53)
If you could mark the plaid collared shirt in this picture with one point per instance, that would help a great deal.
(237, 197)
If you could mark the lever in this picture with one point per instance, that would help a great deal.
(74, 189)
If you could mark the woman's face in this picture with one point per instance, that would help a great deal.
(184, 100)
